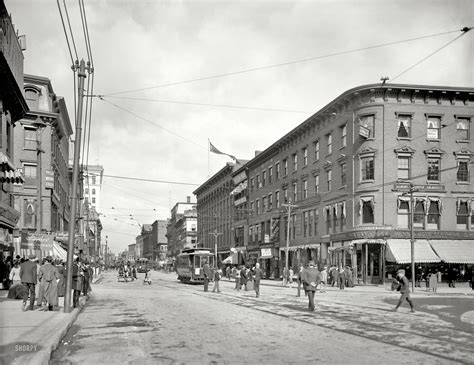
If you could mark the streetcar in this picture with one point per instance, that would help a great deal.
(190, 262)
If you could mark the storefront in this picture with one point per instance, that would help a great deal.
(269, 262)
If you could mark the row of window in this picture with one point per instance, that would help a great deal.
(433, 132)
(427, 215)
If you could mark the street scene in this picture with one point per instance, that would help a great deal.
(236, 182)
(169, 322)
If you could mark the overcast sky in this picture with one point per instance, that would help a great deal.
(150, 44)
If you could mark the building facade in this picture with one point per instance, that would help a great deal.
(93, 175)
(181, 231)
(159, 242)
(13, 107)
(337, 188)
(215, 211)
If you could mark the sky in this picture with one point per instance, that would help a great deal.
(174, 75)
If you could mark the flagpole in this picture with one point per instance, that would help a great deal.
(208, 149)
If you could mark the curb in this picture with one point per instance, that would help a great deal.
(53, 337)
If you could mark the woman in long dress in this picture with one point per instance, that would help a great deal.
(49, 277)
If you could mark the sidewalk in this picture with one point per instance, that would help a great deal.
(30, 337)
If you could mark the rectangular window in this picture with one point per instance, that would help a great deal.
(367, 166)
(252, 184)
(329, 181)
(293, 224)
(462, 216)
(434, 169)
(310, 222)
(29, 216)
(403, 212)
(403, 168)
(264, 178)
(305, 189)
(462, 173)
(251, 208)
(367, 212)
(285, 195)
(419, 214)
(295, 162)
(433, 127)
(316, 219)
(305, 223)
(434, 214)
(257, 206)
(344, 136)
(277, 199)
(277, 170)
(270, 173)
(93, 200)
(93, 180)
(316, 184)
(264, 204)
(295, 192)
(285, 167)
(316, 151)
(259, 182)
(30, 174)
(329, 143)
(30, 142)
(334, 218)
(404, 126)
(343, 174)
(367, 123)
(270, 201)
(462, 128)
(305, 156)
(93, 191)
(327, 210)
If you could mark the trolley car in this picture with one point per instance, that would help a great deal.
(190, 262)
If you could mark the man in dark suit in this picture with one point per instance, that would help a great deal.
(311, 278)
(404, 287)
(207, 275)
(28, 276)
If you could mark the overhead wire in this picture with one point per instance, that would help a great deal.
(70, 29)
(283, 63)
(65, 32)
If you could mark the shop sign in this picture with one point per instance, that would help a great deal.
(265, 252)
(364, 132)
(49, 179)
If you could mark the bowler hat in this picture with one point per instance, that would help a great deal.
(49, 258)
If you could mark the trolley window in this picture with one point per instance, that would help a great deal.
(197, 261)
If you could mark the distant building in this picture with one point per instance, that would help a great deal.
(181, 231)
(93, 175)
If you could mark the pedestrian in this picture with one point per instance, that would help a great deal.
(404, 288)
(249, 284)
(300, 280)
(87, 277)
(206, 270)
(285, 276)
(452, 276)
(341, 277)
(243, 277)
(257, 276)
(237, 278)
(77, 281)
(348, 277)
(291, 273)
(62, 278)
(312, 278)
(334, 275)
(227, 272)
(217, 278)
(29, 279)
(49, 277)
(324, 279)
(15, 274)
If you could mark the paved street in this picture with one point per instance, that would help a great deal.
(169, 322)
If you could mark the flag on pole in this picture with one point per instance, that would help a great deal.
(215, 150)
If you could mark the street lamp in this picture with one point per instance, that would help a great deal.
(215, 234)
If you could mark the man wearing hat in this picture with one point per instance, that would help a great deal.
(311, 278)
(404, 290)
(48, 277)
(28, 279)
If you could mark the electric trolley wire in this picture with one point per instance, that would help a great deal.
(65, 32)
(464, 31)
(151, 180)
(284, 63)
(153, 123)
(70, 29)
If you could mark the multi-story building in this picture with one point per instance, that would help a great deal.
(181, 231)
(215, 211)
(159, 242)
(344, 178)
(93, 175)
(13, 107)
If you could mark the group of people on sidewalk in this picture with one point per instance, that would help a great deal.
(45, 281)
(244, 277)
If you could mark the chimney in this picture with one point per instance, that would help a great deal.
(257, 153)
(188, 199)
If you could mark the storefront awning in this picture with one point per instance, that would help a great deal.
(399, 251)
(12, 176)
(232, 259)
(454, 251)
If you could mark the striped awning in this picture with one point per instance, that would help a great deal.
(5, 163)
(454, 251)
(12, 176)
(399, 251)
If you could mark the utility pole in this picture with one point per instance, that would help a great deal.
(412, 237)
(75, 180)
(105, 258)
(39, 176)
(215, 234)
(288, 206)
